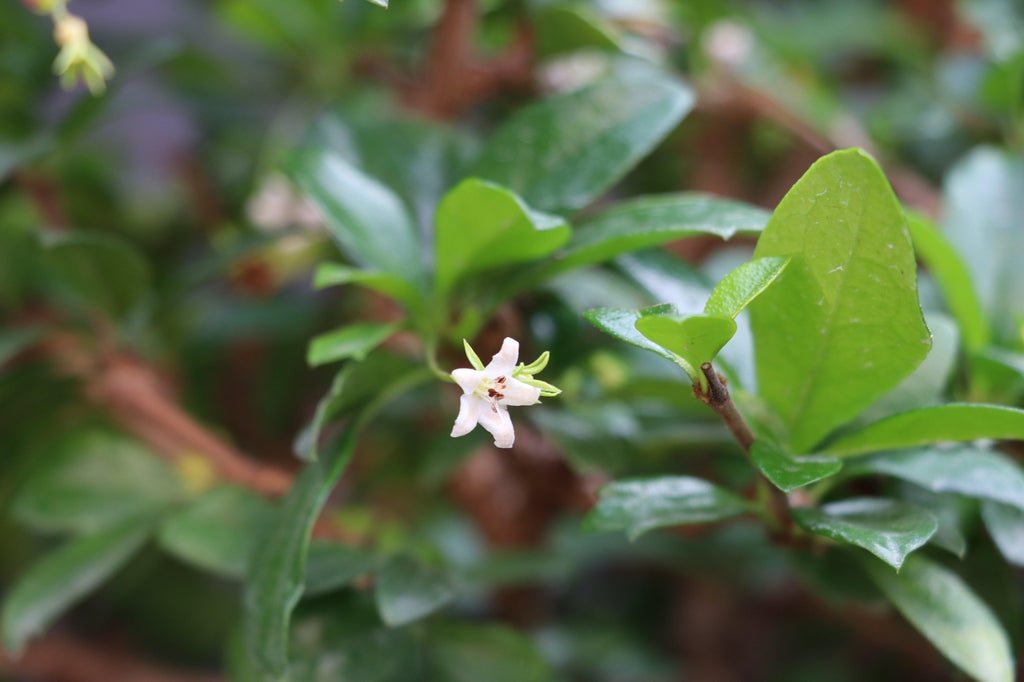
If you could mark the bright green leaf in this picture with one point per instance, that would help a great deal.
(407, 591)
(945, 610)
(63, 577)
(842, 324)
(562, 153)
(1006, 526)
(354, 341)
(787, 472)
(694, 338)
(333, 274)
(641, 505)
(621, 324)
(953, 422)
(481, 225)
(743, 285)
(888, 529)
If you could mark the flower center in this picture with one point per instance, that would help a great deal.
(492, 390)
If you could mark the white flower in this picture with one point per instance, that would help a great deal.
(489, 391)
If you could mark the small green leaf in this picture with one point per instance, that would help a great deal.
(218, 531)
(481, 225)
(562, 153)
(331, 566)
(369, 223)
(621, 324)
(1006, 526)
(694, 338)
(96, 479)
(471, 355)
(63, 577)
(474, 652)
(963, 469)
(406, 591)
(953, 422)
(641, 505)
(787, 472)
(743, 285)
(888, 529)
(944, 609)
(354, 341)
(842, 325)
(952, 276)
(333, 274)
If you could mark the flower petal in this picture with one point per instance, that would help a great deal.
(518, 393)
(504, 361)
(495, 419)
(468, 379)
(469, 411)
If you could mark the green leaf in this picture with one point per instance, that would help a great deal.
(694, 338)
(743, 285)
(983, 200)
(638, 506)
(787, 472)
(331, 566)
(1006, 526)
(481, 225)
(562, 153)
(406, 591)
(476, 652)
(333, 274)
(354, 341)
(13, 341)
(621, 324)
(951, 511)
(63, 577)
(968, 470)
(953, 279)
(369, 223)
(95, 479)
(944, 609)
(568, 28)
(953, 422)
(218, 531)
(842, 324)
(646, 222)
(888, 529)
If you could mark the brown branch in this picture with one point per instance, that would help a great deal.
(61, 658)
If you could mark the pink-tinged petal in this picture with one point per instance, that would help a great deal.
(469, 411)
(468, 379)
(495, 419)
(504, 361)
(517, 393)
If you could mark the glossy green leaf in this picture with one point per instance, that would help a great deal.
(562, 153)
(63, 577)
(953, 422)
(787, 472)
(476, 652)
(330, 566)
(842, 324)
(888, 529)
(218, 531)
(566, 28)
(333, 274)
(694, 338)
(641, 505)
(1006, 526)
(481, 225)
(407, 591)
(621, 324)
(743, 285)
(967, 469)
(368, 222)
(943, 608)
(354, 341)
(984, 199)
(950, 510)
(953, 278)
(95, 479)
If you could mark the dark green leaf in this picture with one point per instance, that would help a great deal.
(938, 603)
(473, 652)
(953, 422)
(333, 274)
(331, 566)
(787, 472)
(743, 285)
(842, 324)
(218, 531)
(888, 529)
(406, 591)
(354, 341)
(63, 577)
(561, 154)
(1006, 526)
(642, 505)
